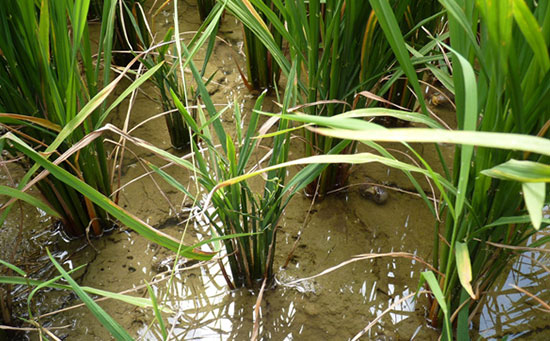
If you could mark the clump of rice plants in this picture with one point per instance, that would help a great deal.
(512, 64)
(47, 74)
(493, 200)
(235, 209)
(338, 54)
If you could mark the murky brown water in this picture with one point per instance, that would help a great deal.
(335, 306)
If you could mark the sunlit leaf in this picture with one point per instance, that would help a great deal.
(534, 193)
(520, 170)
(464, 267)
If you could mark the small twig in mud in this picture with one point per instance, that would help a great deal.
(28, 329)
(390, 308)
(256, 329)
(365, 257)
(541, 302)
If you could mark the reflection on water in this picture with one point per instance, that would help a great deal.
(509, 312)
(339, 304)
(336, 305)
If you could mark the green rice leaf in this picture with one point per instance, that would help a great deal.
(388, 22)
(47, 284)
(519, 170)
(469, 98)
(44, 29)
(534, 194)
(13, 267)
(475, 138)
(156, 309)
(170, 179)
(183, 111)
(137, 301)
(135, 84)
(532, 32)
(13, 192)
(429, 277)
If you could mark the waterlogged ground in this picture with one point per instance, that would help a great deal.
(313, 237)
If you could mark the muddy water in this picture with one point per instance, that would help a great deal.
(334, 306)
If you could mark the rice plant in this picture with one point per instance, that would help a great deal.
(164, 54)
(237, 210)
(494, 198)
(512, 65)
(338, 52)
(47, 73)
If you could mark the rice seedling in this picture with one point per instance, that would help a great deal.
(237, 210)
(47, 73)
(338, 54)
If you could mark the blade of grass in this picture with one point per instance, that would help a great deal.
(107, 321)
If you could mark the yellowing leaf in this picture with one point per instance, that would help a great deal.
(464, 268)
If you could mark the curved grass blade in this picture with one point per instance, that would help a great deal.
(7, 118)
(107, 321)
(508, 141)
(532, 32)
(15, 193)
(158, 315)
(13, 267)
(124, 217)
(137, 301)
